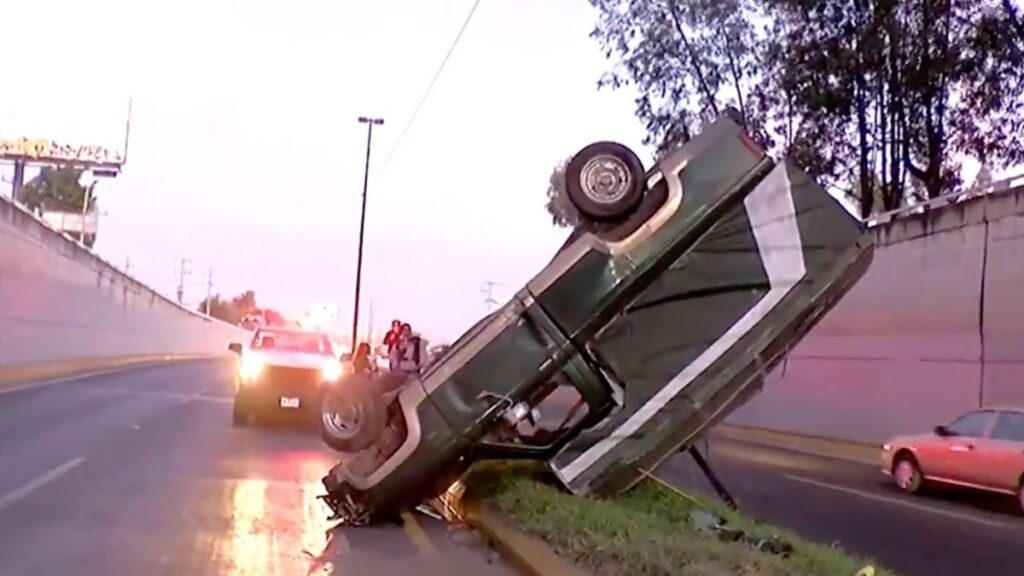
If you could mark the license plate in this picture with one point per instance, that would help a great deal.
(289, 402)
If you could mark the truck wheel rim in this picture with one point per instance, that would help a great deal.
(906, 476)
(342, 419)
(605, 179)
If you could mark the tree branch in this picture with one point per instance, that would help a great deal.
(1015, 22)
(693, 58)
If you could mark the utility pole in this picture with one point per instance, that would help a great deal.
(182, 272)
(127, 265)
(369, 327)
(85, 209)
(209, 290)
(370, 123)
(488, 290)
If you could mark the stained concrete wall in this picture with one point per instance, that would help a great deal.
(60, 302)
(935, 328)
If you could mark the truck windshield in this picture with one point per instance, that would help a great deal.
(292, 342)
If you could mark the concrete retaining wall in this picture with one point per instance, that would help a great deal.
(935, 328)
(60, 302)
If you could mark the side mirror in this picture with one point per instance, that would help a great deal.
(942, 431)
(235, 347)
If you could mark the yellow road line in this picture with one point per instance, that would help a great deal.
(418, 537)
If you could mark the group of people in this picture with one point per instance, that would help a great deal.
(404, 349)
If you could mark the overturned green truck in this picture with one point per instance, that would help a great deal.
(682, 287)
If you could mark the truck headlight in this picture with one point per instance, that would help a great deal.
(332, 370)
(250, 368)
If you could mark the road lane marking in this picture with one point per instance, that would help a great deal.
(900, 502)
(776, 458)
(169, 360)
(192, 397)
(418, 537)
(26, 490)
(52, 381)
(161, 394)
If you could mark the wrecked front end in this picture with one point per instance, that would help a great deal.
(468, 405)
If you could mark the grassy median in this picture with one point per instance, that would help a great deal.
(647, 531)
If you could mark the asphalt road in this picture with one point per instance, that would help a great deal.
(944, 533)
(140, 472)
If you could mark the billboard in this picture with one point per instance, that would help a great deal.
(86, 130)
(56, 152)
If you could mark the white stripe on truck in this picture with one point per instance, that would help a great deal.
(773, 222)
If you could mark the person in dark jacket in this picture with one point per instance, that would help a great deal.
(406, 356)
(391, 338)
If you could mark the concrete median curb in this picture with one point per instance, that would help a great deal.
(529, 554)
(12, 376)
(858, 452)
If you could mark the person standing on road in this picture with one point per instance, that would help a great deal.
(406, 356)
(361, 360)
(391, 338)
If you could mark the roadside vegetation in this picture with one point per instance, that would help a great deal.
(882, 102)
(648, 531)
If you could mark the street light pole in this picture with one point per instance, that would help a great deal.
(370, 123)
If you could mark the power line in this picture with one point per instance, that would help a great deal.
(430, 87)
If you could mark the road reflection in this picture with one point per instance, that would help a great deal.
(277, 524)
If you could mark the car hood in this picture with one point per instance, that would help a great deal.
(291, 359)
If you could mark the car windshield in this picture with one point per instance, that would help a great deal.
(293, 342)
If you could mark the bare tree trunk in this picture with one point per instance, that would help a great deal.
(697, 70)
(734, 70)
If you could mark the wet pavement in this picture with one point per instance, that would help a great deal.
(140, 472)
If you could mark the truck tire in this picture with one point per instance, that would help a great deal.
(352, 415)
(605, 181)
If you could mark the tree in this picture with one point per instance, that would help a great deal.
(688, 59)
(245, 302)
(563, 213)
(56, 189)
(874, 98)
(233, 310)
(910, 85)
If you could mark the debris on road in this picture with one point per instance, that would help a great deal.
(428, 511)
(706, 521)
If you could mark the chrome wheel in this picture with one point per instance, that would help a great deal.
(605, 179)
(907, 475)
(342, 419)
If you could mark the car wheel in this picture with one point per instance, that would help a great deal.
(907, 474)
(352, 416)
(605, 181)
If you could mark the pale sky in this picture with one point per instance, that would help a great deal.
(246, 156)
